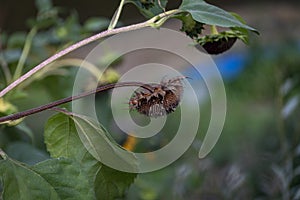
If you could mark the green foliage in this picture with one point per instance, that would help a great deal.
(50, 179)
(79, 146)
(149, 8)
(21, 182)
(203, 13)
(62, 140)
(112, 184)
(25, 152)
(101, 145)
(221, 42)
(95, 24)
(226, 35)
(285, 170)
(191, 27)
(6, 108)
(43, 5)
(209, 14)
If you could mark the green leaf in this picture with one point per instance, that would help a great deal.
(151, 10)
(42, 23)
(16, 40)
(6, 108)
(111, 184)
(25, 129)
(21, 182)
(66, 177)
(96, 24)
(26, 153)
(61, 137)
(62, 140)
(47, 15)
(210, 14)
(51, 179)
(43, 5)
(12, 55)
(102, 146)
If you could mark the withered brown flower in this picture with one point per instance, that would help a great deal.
(162, 100)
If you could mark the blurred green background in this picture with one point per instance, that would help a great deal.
(258, 153)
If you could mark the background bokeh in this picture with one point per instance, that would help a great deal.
(258, 153)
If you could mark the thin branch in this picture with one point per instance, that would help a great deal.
(2, 154)
(72, 98)
(116, 16)
(155, 22)
(72, 48)
(159, 3)
(62, 110)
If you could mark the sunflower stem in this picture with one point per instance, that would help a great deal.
(214, 30)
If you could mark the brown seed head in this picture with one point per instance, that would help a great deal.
(162, 100)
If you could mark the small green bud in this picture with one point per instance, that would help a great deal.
(147, 4)
(191, 27)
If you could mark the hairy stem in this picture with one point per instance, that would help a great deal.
(72, 98)
(155, 22)
(72, 48)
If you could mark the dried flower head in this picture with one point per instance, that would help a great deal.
(221, 42)
(162, 100)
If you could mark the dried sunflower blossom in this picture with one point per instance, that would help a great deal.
(163, 99)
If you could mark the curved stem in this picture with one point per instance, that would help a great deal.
(2, 155)
(72, 48)
(72, 98)
(116, 16)
(155, 22)
(159, 4)
(160, 19)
